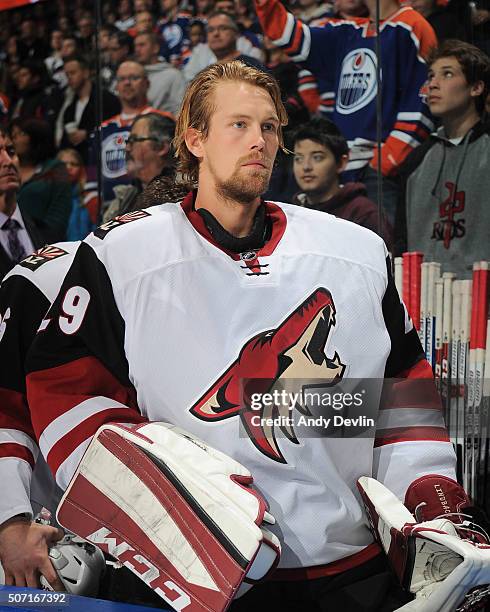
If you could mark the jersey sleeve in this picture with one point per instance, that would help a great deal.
(411, 436)
(22, 306)
(303, 43)
(306, 45)
(308, 90)
(77, 371)
(413, 122)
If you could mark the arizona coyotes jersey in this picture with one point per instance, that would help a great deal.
(26, 294)
(341, 53)
(155, 321)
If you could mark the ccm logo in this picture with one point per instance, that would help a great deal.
(168, 590)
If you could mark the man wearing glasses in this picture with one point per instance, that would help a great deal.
(131, 88)
(149, 159)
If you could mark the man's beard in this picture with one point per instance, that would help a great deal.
(242, 187)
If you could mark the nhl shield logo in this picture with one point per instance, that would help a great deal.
(248, 255)
(357, 85)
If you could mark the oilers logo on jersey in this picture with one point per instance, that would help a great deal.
(294, 350)
(357, 84)
(114, 155)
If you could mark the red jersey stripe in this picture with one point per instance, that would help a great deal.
(410, 434)
(17, 451)
(72, 383)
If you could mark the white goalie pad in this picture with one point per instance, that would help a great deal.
(445, 572)
(179, 514)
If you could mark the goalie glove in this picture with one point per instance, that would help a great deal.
(179, 514)
(446, 573)
(435, 496)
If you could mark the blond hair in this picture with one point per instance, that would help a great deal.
(197, 107)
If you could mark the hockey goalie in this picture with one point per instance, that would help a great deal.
(445, 561)
(162, 317)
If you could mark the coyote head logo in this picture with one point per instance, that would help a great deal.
(295, 349)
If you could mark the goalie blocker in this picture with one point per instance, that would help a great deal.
(443, 561)
(179, 514)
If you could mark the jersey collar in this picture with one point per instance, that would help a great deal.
(275, 214)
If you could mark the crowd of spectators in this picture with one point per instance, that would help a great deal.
(61, 78)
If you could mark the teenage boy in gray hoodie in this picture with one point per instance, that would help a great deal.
(447, 179)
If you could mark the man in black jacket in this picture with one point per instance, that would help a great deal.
(38, 97)
(80, 117)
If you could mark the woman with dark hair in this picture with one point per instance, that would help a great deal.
(45, 193)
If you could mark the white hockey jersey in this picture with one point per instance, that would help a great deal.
(26, 294)
(156, 322)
